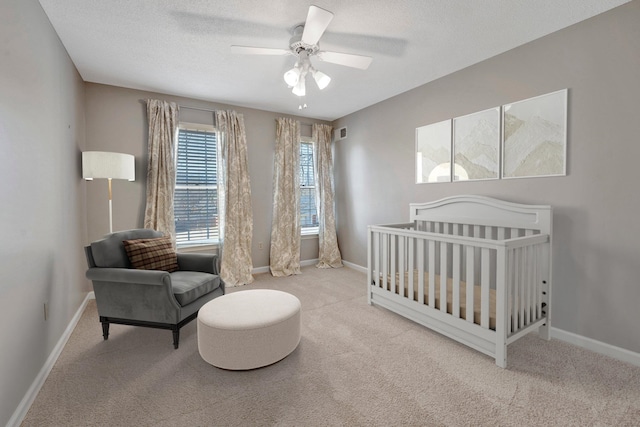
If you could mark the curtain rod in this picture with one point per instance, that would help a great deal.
(197, 108)
(213, 111)
(144, 101)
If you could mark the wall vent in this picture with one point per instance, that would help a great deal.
(341, 133)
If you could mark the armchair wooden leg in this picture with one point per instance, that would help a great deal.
(176, 338)
(105, 328)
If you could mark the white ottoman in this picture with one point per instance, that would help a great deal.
(248, 329)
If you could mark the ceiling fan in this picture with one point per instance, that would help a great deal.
(304, 45)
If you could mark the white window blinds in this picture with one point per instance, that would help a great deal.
(196, 193)
(308, 211)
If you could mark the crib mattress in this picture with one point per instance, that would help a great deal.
(463, 296)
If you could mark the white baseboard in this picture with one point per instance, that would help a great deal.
(355, 266)
(32, 393)
(266, 269)
(597, 346)
(308, 262)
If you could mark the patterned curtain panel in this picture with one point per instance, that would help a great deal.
(328, 252)
(285, 227)
(235, 201)
(161, 170)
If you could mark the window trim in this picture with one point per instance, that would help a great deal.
(203, 244)
(310, 231)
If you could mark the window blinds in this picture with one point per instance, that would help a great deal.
(196, 192)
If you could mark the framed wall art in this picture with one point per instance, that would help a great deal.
(534, 139)
(433, 153)
(476, 145)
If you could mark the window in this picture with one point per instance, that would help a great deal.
(308, 211)
(195, 201)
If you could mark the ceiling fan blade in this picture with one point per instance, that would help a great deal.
(248, 50)
(346, 59)
(317, 21)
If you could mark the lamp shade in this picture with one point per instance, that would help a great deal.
(322, 80)
(292, 76)
(299, 88)
(102, 164)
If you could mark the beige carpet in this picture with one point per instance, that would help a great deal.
(356, 365)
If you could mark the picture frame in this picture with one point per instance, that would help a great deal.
(476, 145)
(534, 136)
(433, 152)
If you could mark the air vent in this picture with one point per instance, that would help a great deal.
(341, 133)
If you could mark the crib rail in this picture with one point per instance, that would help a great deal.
(490, 277)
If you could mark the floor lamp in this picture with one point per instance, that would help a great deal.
(104, 165)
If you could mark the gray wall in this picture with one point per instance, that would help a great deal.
(596, 233)
(116, 120)
(42, 207)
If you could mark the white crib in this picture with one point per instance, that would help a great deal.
(473, 268)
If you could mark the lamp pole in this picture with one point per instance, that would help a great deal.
(110, 208)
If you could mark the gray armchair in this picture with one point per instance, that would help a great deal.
(149, 298)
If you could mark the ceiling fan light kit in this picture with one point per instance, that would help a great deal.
(299, 89)
(292, 76)
(304, 44)
(322, 80)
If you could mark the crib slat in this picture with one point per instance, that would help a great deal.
(488, 232)
(385, 260)
(410, 267)
(420, 243)
(522, 290)
(432, 274)
(401, 266)
(501, 233)
(443, 277)
(456, 281)
(509, 284)
(392, 261)
(536, 285)
(484, 288)
(476, 231)
(527, 285)
(501, 308)
(516, 288)
(470, 278)
(369, 263)
(376, 257)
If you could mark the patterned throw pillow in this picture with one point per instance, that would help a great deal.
(152, 254)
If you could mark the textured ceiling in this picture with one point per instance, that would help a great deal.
(183, 47)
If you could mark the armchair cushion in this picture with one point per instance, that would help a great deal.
(152, 254)
(188, 286)
(109, 252)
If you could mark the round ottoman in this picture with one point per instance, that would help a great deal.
(248, 329)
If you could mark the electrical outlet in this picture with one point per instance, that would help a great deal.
(260, 245)
(46, 311)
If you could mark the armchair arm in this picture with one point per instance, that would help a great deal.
(143, 295)
(129, 275)
(205, 263)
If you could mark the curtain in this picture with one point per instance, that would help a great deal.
(328, 251)
(161, 169)
(284, 256)
(236, 226)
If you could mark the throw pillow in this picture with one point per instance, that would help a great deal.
(152, 254)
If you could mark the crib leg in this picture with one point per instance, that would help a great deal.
(501, 355)
(544, 332)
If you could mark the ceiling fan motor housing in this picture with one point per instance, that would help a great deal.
(297, 45)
